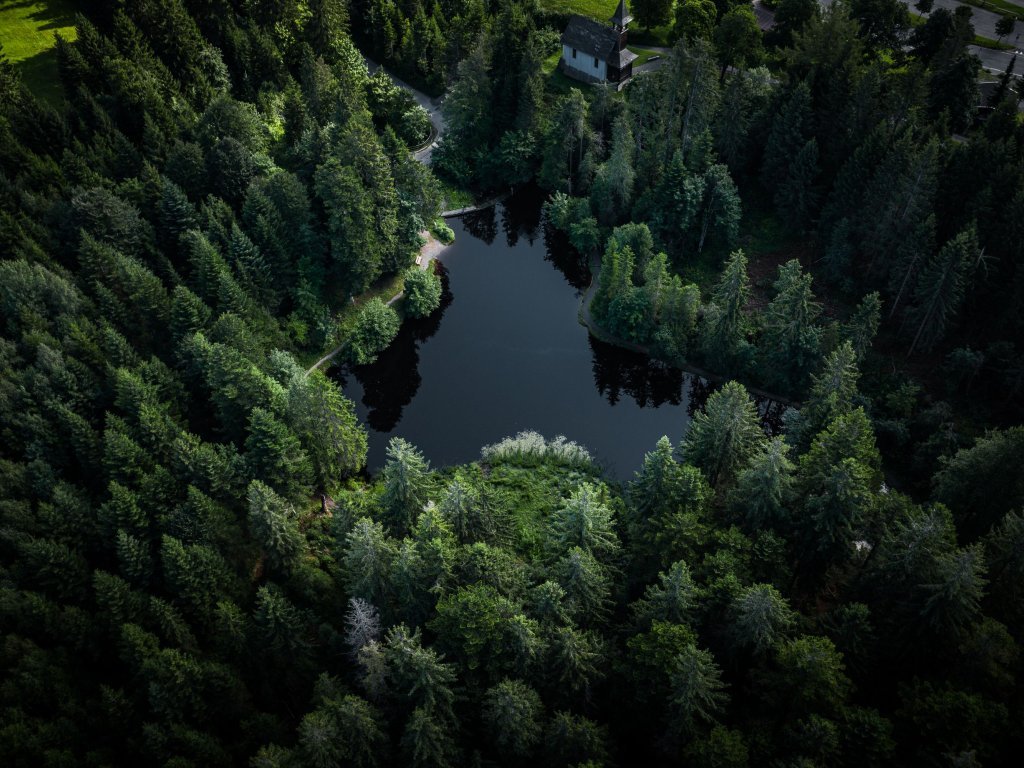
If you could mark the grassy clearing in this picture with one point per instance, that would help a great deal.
(26, 32)
(532, 494)
(455, 198)
(988, 42)
(643, 55)
(664, 36)
(550, 63)
(558, 84)
(603, 10)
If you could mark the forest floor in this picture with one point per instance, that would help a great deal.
(27, 31)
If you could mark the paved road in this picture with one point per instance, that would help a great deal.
(985, 25)
(650, 66)
(984, 21)
(998, 61)
(429, 103)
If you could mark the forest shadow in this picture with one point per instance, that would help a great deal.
(39, 73)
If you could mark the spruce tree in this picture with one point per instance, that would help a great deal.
(720, 209)
(764, 489)
(724, 436)
(405, 477)
(796, 198)
(276, 455)
(697, 691)
(940, 290)
(791, 335)
(325, 422)
(512, 712)
(862, 325)
(760, 618)
(724, 333)
(273, 523)
(612, 192)
(789, 134)
(367, 561)
(585, 521)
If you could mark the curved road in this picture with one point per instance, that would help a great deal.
(429, 103)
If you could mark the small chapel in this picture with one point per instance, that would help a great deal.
(596, 53)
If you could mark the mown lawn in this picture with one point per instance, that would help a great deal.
(27, 28)
(602, 10)
(455, 197)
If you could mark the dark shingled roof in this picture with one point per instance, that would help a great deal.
(622, 58)
(591, 37)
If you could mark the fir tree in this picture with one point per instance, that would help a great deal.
(725, 325)
(791, 336)
(405, 478)
(940, 290)
(273, 523)
(725, 435)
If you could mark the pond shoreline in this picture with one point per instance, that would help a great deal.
(429, 251)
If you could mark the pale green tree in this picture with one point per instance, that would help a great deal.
(405, 478)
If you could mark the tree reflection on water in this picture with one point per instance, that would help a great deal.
(391, 382)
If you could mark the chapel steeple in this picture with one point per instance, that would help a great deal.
(621, 18)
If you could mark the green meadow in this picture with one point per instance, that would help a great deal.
(27, 31)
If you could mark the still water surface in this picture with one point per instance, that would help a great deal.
(505, 353)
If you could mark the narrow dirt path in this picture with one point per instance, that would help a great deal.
(430, 251)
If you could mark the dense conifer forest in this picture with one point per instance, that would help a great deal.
(196, 568)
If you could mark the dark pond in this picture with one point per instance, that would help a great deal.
(506, 353)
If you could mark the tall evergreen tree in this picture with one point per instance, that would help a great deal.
(612, 191)
(697, 690)
(761, 617)
(405, 478)
(724, 335)
(940, 290)
(584, 521)
(791, 336)
(724, 435)
(325, 423)
(276, 454)
(764, 489)
(273, 523)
